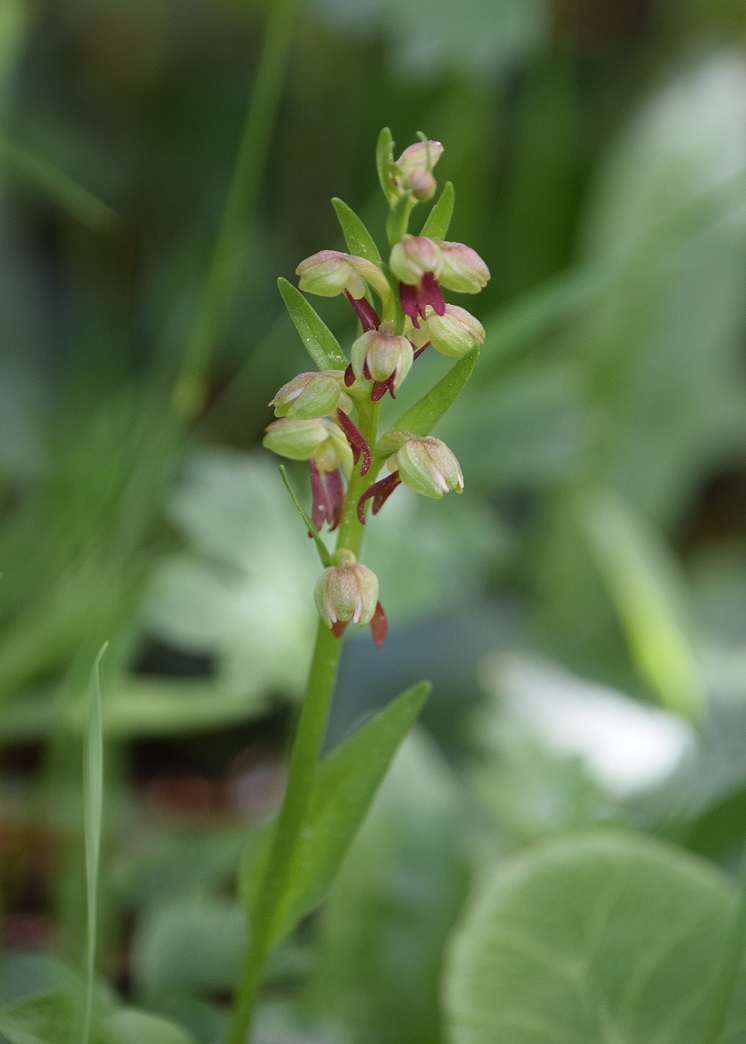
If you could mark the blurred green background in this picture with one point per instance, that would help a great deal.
(581, 609)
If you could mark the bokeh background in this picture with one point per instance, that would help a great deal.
(581, 609)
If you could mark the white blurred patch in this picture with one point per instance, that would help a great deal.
(627, 746)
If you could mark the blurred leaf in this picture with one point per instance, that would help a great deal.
(394, 903)
(189, 945)
(346, 781)
(129, 1026)
(46, 1018)
(425, 38)
(358, 238)
(93, 796)
(320, 342)
(241, 592)
(595, 937)
(648, 596)
(421, 418)
(439, 219)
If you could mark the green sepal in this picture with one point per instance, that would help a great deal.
(385, 161)
(326, 559)
(421, 418)
(397, 222)
(358, 238)
(439, 219)
(345, 784)
(320, 342)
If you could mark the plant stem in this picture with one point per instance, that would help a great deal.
(222, 279)
(729, 970)
(309, 738)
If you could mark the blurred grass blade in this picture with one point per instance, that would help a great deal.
(225, 269)
(93, 791)
(439, 219)
(384, 159)
(320, 342)
(345, 784)
(421, 418)
(357, 237)
(321, 547)
(643, 586)
(726, 984)
(64, 191)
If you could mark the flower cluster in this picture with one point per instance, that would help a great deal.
(402, 312)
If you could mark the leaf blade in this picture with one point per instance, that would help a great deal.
(384, 159)
(421, 418)
(319, 341)
(357, 237)
(345, 784)
(439, 219)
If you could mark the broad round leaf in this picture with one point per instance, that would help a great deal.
(597, 939)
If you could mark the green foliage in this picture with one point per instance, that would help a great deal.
(438, 220)
(592, 938)
(345, 785)
(320, 342)
(358, 238)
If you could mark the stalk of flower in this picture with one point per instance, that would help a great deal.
(315, 423)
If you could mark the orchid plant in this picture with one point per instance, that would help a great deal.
(330, 417)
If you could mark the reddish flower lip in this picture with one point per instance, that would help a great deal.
(366, 313)
(380, 492)
(416, 298)
(356, 439)
(328, 497)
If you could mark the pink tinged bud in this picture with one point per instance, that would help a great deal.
(330, 272)
(381, 356)
(428, 467)
(319, 439)
(462, 269)
(309, 395)
(422, 156)
(328, 497)
(357, 442)
(454, 333)
(422, 185)
(346, 593)
(414, 257)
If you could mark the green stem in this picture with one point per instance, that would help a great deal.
(309, 738)
(222, 279)
(729, 970)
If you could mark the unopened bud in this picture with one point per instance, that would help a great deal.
(347, 592)
(422, 185)
(455, 333)
(428, 467)
(379, 354)
(330, 272)
(423, 155)
(309, 395)
(413, 257)
(316, 439)
(462, 269)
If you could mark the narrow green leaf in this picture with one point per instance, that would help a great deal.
(321, 547)
(93, 790)
(358, 238)
(44, 1018)
(345, 784)
(597, 937)
(421, 418)
(320, 342)
(439, 219)
(384, 160)
(648, 595)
